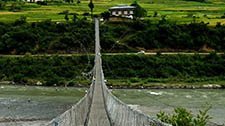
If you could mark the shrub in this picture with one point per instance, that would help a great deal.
(22, 20)
(86, 14)
(190, 15)
(16, 6)
(155, 14)
(203, 1)
(105, 15)
(19, 78)
(158, 53)
(42, 3)
(64, 12)
(2, 5)
(183, 117)
(138, 11)
(134, 80)
(223, 16)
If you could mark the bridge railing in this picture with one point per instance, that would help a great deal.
(122, 115)
(79, 113)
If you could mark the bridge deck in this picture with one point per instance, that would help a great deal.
(98, 115)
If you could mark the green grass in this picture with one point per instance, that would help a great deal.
(176, 10)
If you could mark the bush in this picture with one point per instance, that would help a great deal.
(183, 117)
(158, 53)
(203, 1)
(105, 15)
(42, 3)
(22, 20)
(86, 14)
(155, 14)
(51, 70)
(134, 80)
(223, 16)
(16, 6)
(164, 66)
(2, 5)
(64, 12)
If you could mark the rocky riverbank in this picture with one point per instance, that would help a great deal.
(153, 86)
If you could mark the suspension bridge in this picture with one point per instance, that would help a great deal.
(99, 107)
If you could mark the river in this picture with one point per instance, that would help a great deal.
(153, 101)
(33, 105)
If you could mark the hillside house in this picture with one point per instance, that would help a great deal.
(32, 1)
(122, 10)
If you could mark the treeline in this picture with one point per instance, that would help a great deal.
(193, 36)
(164, 66)
(78, 36)
(47, 70)
(52, 37)
(45, 37)
(14, 6)
(70, 70)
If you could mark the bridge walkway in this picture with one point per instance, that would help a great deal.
(98, 115)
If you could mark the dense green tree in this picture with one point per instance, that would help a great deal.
(16, 6)
(67, 16)
(223, 16)
(78, 2)
(105, 15)
(155, 14)
(22, 20)
(139, 11)
(74, 18)
(2, 5)
(91, 6)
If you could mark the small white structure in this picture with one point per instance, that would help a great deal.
(122, 10)
(32, 1)
(141, 52)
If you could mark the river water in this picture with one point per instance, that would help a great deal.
(32, 106)
(152, 101)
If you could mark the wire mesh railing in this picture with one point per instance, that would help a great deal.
(79, 113)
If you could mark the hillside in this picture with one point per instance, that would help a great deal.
(78, 37)
(180, 11)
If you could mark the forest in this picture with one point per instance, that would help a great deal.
(77, 36)
(75, 70)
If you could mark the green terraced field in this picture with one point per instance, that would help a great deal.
(176, 10)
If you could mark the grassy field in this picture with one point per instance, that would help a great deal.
(180, 11)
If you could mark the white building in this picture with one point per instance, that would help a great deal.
(122, 10)
(32, 1)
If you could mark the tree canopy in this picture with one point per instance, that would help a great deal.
(139, 11)
(105, 15)
(91, 6)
